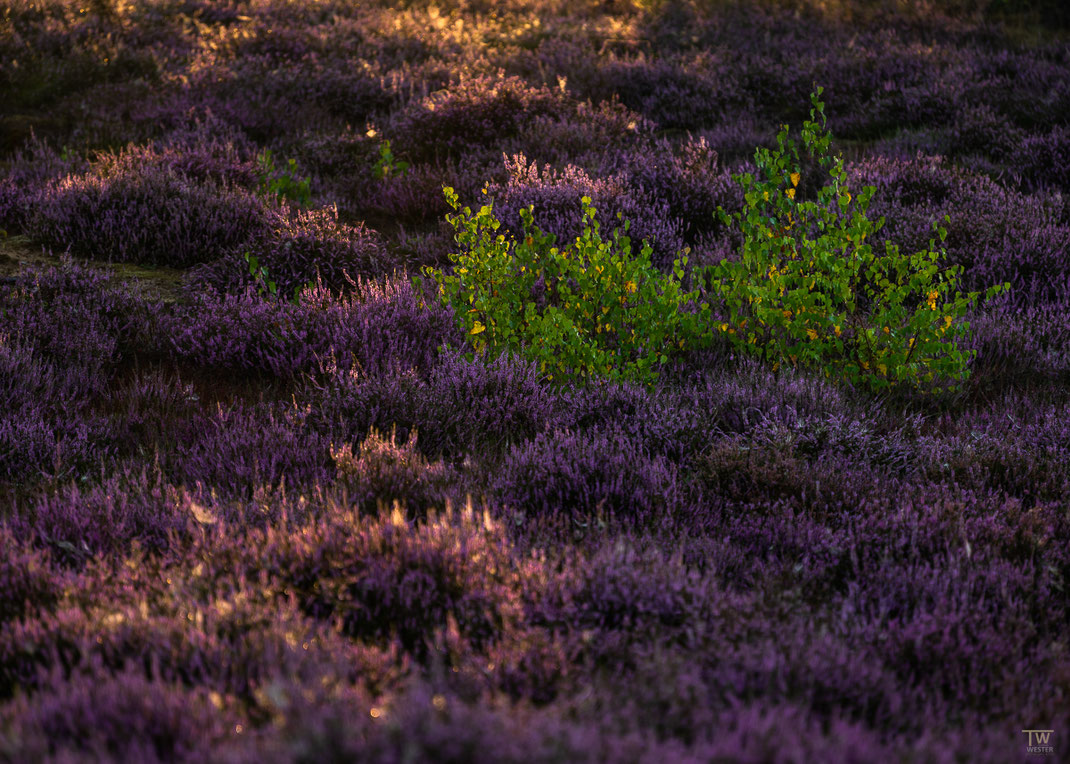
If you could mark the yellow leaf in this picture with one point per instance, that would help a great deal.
(795, 178)
(791, 193)
(478, 328)
(201, 514)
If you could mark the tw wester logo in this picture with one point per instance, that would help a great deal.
(1039, 742)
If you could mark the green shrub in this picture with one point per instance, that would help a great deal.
(809, 290)
(265, 285)
(592, 308)
(286, 183)
(388, 165)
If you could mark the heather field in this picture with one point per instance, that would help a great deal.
(300, 462)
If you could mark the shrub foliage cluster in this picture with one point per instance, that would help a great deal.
(807, 290)
(589, 308)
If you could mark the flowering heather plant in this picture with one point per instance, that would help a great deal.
(461, 406)
(675, 95)
(690, 181)
(79, 522)
(30, 584)
(380, 471)
(587, 474)
(236, 451)
(995, 233)
(591, 131)
(52, 378)
(299, 248)
(475, 113)
(131, 209)
(126, 716)
(383, 578)
(379, 324)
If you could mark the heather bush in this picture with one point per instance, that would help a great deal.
(1044, 160)
(42, 304)
(300, 248)
(773, 466)
(29, 583)
(981, 130)
(98, 716)
(593, 130)
(994, 234)
(605, 313)
(189, 618)
(130, 207)
(108, 518)
(42, 442)
(629, 591)
(414, 198)
(382, 578)
(475, 113)
(460, 407)
(431, 723)
(378, 325)
(234, 450)
(1018, 448)
(483, 404)
(1022, 343)
(50, 377)
(673, 422)
(380, 471)
(597, 473)
(675, 95)
(690, 181)
(26, 173)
